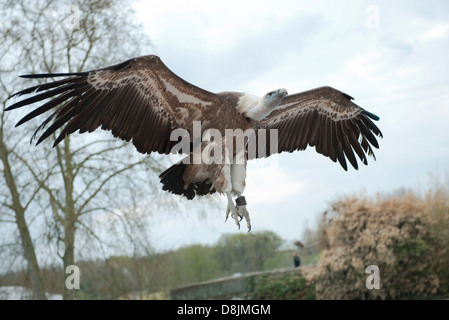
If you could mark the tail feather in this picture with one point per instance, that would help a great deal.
(172, 180)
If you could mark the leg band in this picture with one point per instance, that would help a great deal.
(240, 201)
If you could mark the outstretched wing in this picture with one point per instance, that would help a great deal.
(139, 99)
(327, 119)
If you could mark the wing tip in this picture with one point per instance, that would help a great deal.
(371, 115)
(347, 96)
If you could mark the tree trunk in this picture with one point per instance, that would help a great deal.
(70, 214)
(27, 244)
(69, 255)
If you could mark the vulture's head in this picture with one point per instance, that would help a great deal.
(272, 99)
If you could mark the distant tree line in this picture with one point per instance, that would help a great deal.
(118, 276)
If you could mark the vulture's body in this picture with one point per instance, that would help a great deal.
(142, 101)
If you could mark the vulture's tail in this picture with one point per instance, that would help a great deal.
(173, 182)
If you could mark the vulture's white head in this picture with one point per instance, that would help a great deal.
(266, 104)
(272, 99)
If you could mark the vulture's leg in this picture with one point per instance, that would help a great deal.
(242, 211)
(238, 175)
(233, 210)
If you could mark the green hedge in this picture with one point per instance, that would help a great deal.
(290, 286)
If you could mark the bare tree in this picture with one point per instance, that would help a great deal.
(83, 175)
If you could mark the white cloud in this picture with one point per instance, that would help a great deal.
(437, 32)
(262, 175)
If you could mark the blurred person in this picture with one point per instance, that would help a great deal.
(296, 260)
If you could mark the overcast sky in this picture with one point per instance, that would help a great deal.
(391, 56)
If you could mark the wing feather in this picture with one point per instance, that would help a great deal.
(314, 126)
(47, 106)
(288, 129)
(328, 120)
(302, 127)
(368, 134)
(303, 136)
(347, 147)
(353, 140)
(340, 140)
(328, 141)
(321, 143)
(296, 137)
